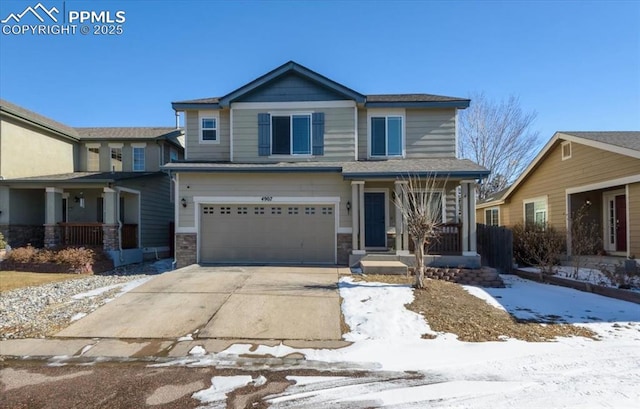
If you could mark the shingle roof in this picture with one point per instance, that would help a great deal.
(37, 118)
(126, 132)
(211, 100)
(411, 98)
(623, 139)
(380, 168)
(82, 177)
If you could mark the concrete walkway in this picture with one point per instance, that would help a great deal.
(248, 303)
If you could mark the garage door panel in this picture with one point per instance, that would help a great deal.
(269, 233)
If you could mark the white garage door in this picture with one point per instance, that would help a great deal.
(267, 233)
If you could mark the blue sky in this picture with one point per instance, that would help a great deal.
(577, 63)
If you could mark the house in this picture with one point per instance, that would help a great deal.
(294, 167)
(599, 170)
(61, 185)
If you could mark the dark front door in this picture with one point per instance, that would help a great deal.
(374, 223)
(621, 223)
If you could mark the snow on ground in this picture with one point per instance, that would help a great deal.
(220, 386)
(589, 275)
(570, 372)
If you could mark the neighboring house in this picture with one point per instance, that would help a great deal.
(294, 167)
(85, 186)
(600, 170)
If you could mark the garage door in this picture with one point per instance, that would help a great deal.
(267, 234)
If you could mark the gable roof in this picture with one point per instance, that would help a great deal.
(40, 121)
(621, 142)
(291, 67)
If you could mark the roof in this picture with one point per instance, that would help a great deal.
(374, 100)
(81, 177)
(37, 119)
(149, 132)
(621, 142)
(461, 168)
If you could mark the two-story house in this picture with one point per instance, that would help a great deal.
(296, 168)
(61, 185)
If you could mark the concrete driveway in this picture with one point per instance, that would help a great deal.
(286, 303)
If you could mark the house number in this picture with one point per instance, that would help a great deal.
(267, 198)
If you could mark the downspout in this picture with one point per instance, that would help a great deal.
(119, 224)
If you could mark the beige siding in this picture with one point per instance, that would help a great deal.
(26, 151)
(363, 137)
(430, 133)
(503, 215)
(151, 156)
(634, 219)
(258, 185)
(339, 134)
(553, 176)
(207, 151)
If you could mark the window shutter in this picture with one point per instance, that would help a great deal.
(264, 134)
(318, 133)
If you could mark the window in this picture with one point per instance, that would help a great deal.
(116, 159)
(93, 159)
(291, 135)
(209, 127)
(386, 135)
(138, 159)
(492, 217)
(173, 155)
(535, 211)
(566, 150)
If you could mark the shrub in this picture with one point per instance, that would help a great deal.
(70, 259)
(22, 255)
(3, 243)
(76, 257)
(538, 245)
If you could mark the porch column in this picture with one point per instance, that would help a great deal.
(468, 197)
(110, 240)
(52, 216)
(355, 217)
(361, 214)
(4, 206)
(401, 231)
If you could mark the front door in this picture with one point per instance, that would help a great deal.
(615, 221)
(621, 223)
(375, 234)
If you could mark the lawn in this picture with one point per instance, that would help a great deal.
(10, 280)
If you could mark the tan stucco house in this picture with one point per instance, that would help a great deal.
(600, 170)
(61, 185)
(294, 167)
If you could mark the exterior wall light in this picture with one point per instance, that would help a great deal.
(184, 202)
(348, 207)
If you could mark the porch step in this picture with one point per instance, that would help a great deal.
(383, 267)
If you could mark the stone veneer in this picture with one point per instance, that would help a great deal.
(52, 235)
(484, 277)
(110, 237)
(344, 248)
(186, 251)
(19, 235)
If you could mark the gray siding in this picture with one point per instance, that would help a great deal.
(339, 134)
(155, 207)
(151, 156)
(210, 151)
(27, 206)
(430, 133)
(362, 134)
(291, 88)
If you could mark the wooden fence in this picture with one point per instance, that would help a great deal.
(495, 246)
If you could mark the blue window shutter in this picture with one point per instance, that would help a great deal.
(318, 133)
(264, 134)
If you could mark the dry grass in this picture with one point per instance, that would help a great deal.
(10, 280)
(447, 307)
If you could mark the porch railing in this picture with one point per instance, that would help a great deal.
(91, 234)
(449, 241)
(81, 234)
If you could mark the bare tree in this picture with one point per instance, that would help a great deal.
(420, 204)
(497, 135)
(585, 236)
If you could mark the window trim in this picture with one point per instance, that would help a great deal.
(209, 115)
(133, 157)
(386, 113)
(562, 145)
(496, 208)
(291, 114)
(534, 200)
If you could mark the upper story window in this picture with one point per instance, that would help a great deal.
(291, 134)
(566, 150)
(173, 155)
(116, 157)
(492, 216)
(535, 211)
(93, 158)
(138, 158)
(209, 122)
(386, 135)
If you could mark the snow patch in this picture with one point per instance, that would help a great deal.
(197, 350)
(77, 316)
(220, 386)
